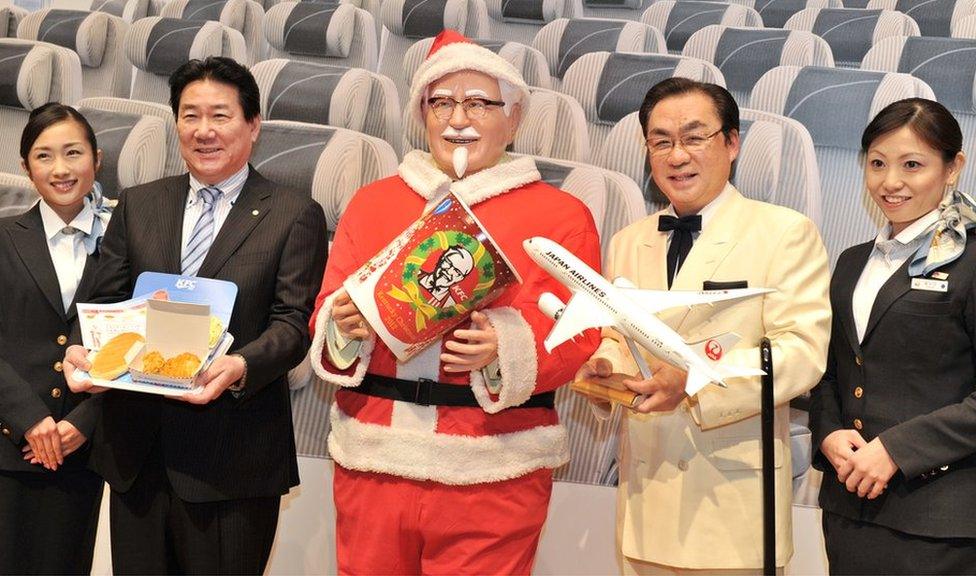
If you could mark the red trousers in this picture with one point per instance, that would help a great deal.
(390, 525)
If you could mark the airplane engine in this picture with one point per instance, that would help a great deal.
(551, 305)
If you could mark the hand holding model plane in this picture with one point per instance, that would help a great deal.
(677, 368)
(662, 392)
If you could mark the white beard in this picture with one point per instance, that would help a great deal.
(460, 155)
(460, 158)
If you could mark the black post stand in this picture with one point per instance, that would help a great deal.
(767, 416)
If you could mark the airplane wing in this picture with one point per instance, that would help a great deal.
(657, 300)
(582, 313)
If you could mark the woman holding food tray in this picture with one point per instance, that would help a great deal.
(49, 500)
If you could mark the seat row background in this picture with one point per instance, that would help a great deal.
(333, 78)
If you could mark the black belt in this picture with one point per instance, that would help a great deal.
(431, 393)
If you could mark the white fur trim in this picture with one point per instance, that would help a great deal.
(462, 56)
(446, 458)
(410, 416)
(516, 360)
(318, 347)
(509, 174)
(421, 174)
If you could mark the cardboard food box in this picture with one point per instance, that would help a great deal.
(175, 314)
(173, 328)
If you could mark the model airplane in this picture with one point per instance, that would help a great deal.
(597, 303)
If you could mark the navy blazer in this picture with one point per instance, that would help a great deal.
(34, 330)
(911, 382)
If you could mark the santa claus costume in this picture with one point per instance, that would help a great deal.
(461, 488)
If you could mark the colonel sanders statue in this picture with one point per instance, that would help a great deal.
(444, 462)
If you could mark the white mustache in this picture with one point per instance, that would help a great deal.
(466, 132)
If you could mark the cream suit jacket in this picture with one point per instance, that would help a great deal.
(690, 479)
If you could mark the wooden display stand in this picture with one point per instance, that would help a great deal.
(610, 389)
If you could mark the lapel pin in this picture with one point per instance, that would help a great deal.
(254, 213)
(940, 275)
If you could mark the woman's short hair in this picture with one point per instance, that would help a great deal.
(48, 115)
(928, 119)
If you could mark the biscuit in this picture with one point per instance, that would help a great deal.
(110, 361)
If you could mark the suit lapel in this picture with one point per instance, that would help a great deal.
(251, 207)
(168, 224)
(653, 249)
(652, 264)
(847, 278)
(31, 246)
(896, 287)
(709, 251)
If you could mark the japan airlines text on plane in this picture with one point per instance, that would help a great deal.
(597, 303)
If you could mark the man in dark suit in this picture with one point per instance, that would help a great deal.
(197, 480)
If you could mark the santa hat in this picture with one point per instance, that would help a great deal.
(452, 52)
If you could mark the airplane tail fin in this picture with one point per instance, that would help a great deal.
(713, 350)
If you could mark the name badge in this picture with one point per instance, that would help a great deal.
(930, 285)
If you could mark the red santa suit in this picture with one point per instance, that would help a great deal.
(453, 489)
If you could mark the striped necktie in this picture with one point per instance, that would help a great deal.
(203, 233)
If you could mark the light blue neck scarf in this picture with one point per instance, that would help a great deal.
(945, 240)
(102, 208)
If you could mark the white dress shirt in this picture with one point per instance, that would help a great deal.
(887, 256)
(230, 189)
(706, 213)
(66, 244)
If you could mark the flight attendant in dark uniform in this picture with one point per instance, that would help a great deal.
(895, 414)
(49, 500)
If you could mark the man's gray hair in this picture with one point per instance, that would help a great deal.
(510, 95)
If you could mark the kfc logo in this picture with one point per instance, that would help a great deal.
(186, 284)
(442, 283)
(713, 350)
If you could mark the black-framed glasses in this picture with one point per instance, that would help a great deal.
(474, 108)
(691, 143)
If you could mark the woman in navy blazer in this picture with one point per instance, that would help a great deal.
(49, 499)
(894, 416)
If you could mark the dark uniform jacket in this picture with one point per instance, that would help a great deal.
(912, 381)
(34, 331)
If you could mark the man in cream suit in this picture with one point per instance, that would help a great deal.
(690, 486)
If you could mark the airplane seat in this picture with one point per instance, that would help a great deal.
(158, 46)
(851, 32)
(834, 105)
(743, 55)
(563, 41)
(31, 74)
